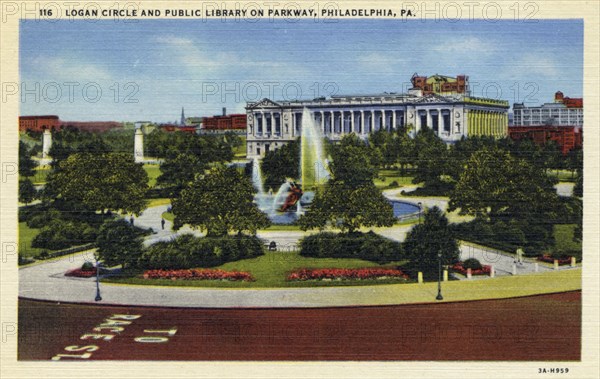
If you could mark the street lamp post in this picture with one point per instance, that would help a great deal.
(439, 295)
(98, 297)
(420, 210)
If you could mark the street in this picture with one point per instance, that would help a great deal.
(544, 327)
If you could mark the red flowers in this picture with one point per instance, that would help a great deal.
(199, 274)
(549, 259)
(81, 273)
(485, 269)
(345, 273)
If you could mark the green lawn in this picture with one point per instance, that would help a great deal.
(26, 235)
(157, 202)
(390, 176)
(168, 216)
(563, 235)
(40, 175)
(562, 175)
(153, 171)
(270, 270)
(240, 151)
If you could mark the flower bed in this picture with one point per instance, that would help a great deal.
(485, 269)
(199, 274)
(345, 273)
(549, 259)
(83, 273)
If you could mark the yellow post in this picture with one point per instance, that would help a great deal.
(445, 275)
(420, 277)
(556, 264)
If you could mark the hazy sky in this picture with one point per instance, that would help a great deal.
(203, 66)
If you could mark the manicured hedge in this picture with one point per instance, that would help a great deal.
(188, 251)
(60, 234)
(368, 246)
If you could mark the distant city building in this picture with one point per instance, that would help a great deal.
(92, 126)
(40, 123)
(178, 128)
(440, 84)
(451, 116)
(235, 123)
(194, 121)
(567, 137)
(564, 111)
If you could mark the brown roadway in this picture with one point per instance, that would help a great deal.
(534, 328)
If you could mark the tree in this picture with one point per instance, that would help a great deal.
(108, 181)
(280, 164)
(26, 164)
(426, 240)
(354, 161)
(71, 140)
(495, 185)
(27, 191)
(178, 170)
(350, 200)
(119, 242)
(430, 159)
(348, 207)
(219, 202)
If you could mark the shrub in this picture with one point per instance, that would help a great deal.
(472, 263)
(346, 273)
(368, 246)
(393, 184)
(187, 251)
(60, 234)
(87, 266)
(204, 274)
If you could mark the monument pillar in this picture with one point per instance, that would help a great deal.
(46, 144)
(138, 146)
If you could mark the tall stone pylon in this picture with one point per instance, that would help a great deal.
(46, 144)
(138, 145)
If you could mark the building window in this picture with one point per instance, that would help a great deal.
(446, 121)
(277, 124)
(435, 122)
(268, 125)
(259, 124)
(258, 151)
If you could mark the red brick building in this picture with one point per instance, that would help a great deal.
(178, 128)
(52, 122)
(575, 102)
(38, 123)
(440, 84)
(222, 124)
(92, 126)
(567, 137)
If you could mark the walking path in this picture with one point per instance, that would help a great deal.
(46, 281)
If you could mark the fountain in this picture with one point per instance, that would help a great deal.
(313, 173)
(313, 165)
(292, 195)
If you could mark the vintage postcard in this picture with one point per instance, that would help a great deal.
(285, 189)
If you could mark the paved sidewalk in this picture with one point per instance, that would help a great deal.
(46, 281)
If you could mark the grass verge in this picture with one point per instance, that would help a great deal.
(269, 270)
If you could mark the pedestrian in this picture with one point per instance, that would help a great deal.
(520, 256)
(162, 223)
(131, 220)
